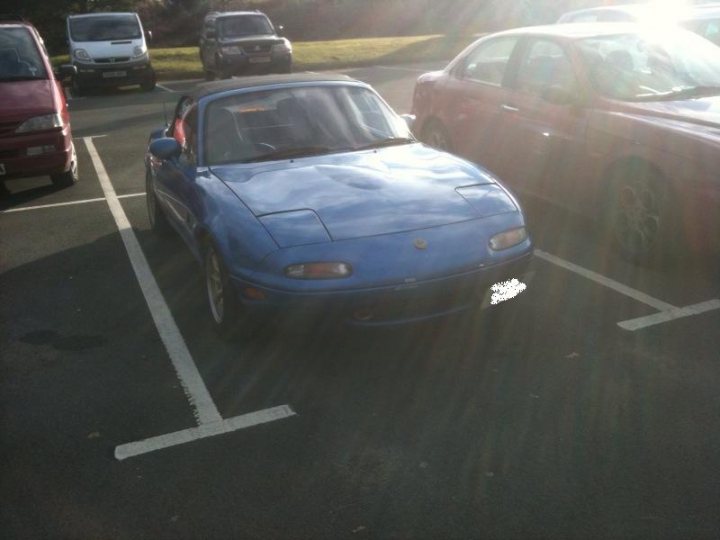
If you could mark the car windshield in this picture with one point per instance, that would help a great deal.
(300, 121)
(245, 25)
(652, 66)
(105, 28)
(19, 56)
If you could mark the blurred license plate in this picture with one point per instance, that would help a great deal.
(259, 59)
(2, 168)
(114, 74)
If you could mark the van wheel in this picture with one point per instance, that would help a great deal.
(77, 90)
(69, 177)
(148, 84)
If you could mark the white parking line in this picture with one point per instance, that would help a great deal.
(68, 203)
(667, 312)
(162, 87)
(125, 451)
(669, 315)
(605, 281)
(206, 413)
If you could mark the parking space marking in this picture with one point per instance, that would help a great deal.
(666, 312)
(669, 315)
(67, 203)
(162, 87)
(206, 413)
(128, 450)
(606, 282)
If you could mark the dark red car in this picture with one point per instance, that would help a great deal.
(35, 137)
(611, 120)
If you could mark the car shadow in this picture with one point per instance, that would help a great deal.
(10, 199)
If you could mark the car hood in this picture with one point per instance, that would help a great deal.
(21, 99)
(370, 193)
(702, 111)
(263, 39)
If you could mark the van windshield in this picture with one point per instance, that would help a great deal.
(105, 28)
(19, 56)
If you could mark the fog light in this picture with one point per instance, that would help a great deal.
(37, 150)
(251, 293)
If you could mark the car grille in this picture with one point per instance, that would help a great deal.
(257, 48)
(113, 60)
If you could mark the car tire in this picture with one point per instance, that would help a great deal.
(158, 220)
(226, 309)
(643, 226)
(69, 177)
(437, 136)
(148, 85)
(77, 89)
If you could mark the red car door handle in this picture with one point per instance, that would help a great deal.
(509, 108)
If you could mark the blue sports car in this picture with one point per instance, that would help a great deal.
(306, 193)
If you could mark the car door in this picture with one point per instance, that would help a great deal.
(544, 122)
(175, 178)
(473, 95)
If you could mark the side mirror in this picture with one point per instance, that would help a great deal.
(165, 148)
(280, 30)
(409, 120)
(65, 71)
(559, 95)
(148, 35)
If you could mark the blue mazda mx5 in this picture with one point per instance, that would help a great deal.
(308, 194)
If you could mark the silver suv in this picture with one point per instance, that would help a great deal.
(242, 42)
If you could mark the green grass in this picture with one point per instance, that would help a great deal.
(184, 62)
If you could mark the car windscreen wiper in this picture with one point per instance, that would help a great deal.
(390, 141)
(684, 93)
(284, 153)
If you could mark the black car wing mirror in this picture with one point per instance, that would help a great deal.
(65, 71)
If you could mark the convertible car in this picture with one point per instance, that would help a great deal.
(307, 194)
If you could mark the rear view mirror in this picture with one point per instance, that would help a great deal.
(165, 148)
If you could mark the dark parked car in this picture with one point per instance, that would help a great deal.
(242, 42)
(35, 136)
(306, 194)
(610, 120)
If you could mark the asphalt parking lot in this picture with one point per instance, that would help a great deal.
(587, 407)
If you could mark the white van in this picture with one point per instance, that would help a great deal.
(109, 49)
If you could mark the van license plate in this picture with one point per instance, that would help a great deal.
(259, 59)
(2, 168)
(114, 74)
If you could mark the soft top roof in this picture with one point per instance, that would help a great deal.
(207, 89)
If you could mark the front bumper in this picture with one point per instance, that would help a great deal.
(392, 305)
(243, 64)
(54, 158)
(115, 74)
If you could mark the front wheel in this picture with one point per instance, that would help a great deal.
(641, 219)
(69, 177)
(225, 308)
(149, 83)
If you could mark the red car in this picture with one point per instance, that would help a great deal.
(35, 137)
(611, 120)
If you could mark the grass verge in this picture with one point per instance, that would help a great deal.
(184, 62)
